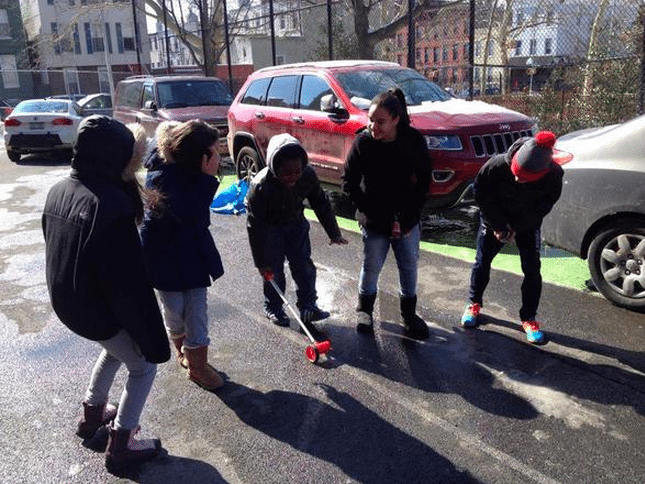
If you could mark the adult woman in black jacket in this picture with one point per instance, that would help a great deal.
(179, 250)
(97, 281)
(387, 177)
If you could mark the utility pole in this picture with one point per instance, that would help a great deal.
(167, 40)
(136, 35)
(411, 35)
(228, 49)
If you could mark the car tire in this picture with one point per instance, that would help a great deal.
(13, 155)
(617, 263)
(247, 163)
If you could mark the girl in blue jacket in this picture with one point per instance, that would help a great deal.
(179, 250)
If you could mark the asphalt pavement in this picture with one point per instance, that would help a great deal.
(480, 406)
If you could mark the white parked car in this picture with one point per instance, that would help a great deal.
(41, 125)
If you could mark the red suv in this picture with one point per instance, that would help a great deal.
(324, 104)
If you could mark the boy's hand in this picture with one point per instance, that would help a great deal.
(339, 241)
(504, 236)
(266, 273)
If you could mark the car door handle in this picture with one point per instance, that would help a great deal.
(260, 115)
(298, 119)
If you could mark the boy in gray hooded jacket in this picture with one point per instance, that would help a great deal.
(278, 228)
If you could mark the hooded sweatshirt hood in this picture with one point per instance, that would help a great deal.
(277, 144)
(103, 147)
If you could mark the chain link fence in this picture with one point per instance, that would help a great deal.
(570, 64)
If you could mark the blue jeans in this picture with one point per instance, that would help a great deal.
(528, 244)
(186, 313)
(375, 249)
(141, 374)
(290, 242)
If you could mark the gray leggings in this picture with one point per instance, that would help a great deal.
(141, 373)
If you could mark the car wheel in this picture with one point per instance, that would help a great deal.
(247, 163)
(617, 263)
(13, 155)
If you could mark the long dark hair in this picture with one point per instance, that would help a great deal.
(393, 101)
(189, 142)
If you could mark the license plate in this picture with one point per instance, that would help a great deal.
(36, 125)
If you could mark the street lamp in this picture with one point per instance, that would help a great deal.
(531, 72)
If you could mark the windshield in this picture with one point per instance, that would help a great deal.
(183, 94)
(41, 107)
(361, 86)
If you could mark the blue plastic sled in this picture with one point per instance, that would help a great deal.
(231, 200)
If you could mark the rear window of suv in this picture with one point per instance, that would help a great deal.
(182, 94)
(361, 86)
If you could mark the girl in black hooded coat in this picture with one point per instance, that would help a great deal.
(97, 280)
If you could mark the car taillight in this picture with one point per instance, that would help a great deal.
(562, 157)
(12, 122)
(62, 122)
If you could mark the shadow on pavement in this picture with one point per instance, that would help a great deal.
(347, 434)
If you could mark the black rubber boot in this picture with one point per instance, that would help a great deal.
(415, 327)
(94, 417)
(365, 308)
(124, 450)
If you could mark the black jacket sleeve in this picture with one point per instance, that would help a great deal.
(129, 291)
(321, 206)
(353, 176)
(256, 223)
(486, 187)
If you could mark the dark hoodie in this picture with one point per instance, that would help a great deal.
(94, 264)
(385, 180)
(270, 203)
(504, 202)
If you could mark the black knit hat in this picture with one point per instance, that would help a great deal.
(532, 161)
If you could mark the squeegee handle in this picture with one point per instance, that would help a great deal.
(293, 311)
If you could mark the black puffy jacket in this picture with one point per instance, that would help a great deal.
(94, 263)
(504, 202)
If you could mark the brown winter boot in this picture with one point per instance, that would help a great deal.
(94, 417)
(124, 450)
(200, 371)
(179, 342)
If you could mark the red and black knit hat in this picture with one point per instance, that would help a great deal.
(532, 161)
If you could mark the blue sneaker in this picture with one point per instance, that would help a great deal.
(470, 319)
(533, 333)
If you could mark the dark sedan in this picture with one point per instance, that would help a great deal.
(601, 213)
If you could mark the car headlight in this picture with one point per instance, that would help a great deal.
(442, 142)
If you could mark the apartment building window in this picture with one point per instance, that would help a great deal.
(478, 48)
(108, 37)
(50, 2)
(444, 54)
(532, 47)
(77, 39)
(491, 48)
(9, 70)
(55, 39)
(455, 52)
(88, 38)
(519, 18)
(283, 22)
(418, 55)
(71, 81)
(426, 56)
(119, 38)
(435, 55)
(518, 48)
(548, 46)
(399, 40)
(466, 50)
(128, 38)
(5, 30)
(98, 44)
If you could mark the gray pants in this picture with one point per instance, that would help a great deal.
(141, 373)
(185, 313)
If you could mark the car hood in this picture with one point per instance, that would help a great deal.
(195, 112)
(459, 113)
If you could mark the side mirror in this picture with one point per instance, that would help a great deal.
(150, 105)
(329, 104)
